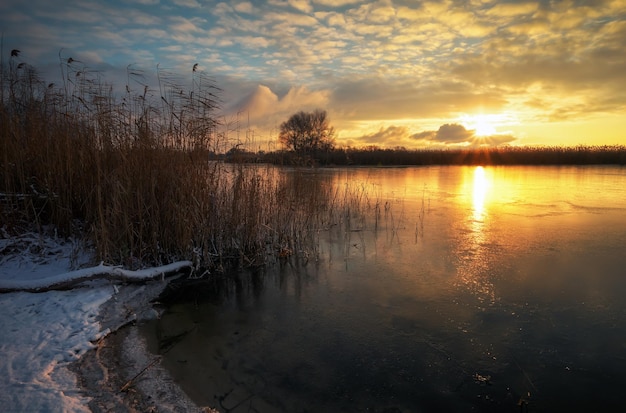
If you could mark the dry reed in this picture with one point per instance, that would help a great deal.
(131, 172)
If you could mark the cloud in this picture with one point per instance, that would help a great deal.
(336, 3)
(448, 135)
(145, 2)
(391, 136)
(188, 3)
(187, 26)
(377, 98)
(301, 5)
(244, 7)
(376, 13)
(253, 42)
(512, 9)
(495, 140)
(264, 106)
(425, 136)
(296, 41)
(335, 19)
(291, 19)
(453, 133)
(259, 102)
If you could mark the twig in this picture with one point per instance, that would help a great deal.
(525, 375)
(130, 382)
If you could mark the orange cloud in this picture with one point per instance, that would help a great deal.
(263, 106)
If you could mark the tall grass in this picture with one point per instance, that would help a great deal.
(130, 170)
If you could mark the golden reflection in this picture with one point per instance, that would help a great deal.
(479, 193)
(474, 250)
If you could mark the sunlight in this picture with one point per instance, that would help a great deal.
(473, 250)
(479, 193)
(482, 125)
(484, 128)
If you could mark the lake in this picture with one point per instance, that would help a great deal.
(467, 289)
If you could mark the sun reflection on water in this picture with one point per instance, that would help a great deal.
(480, 189)
(474, 250)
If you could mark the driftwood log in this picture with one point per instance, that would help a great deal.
(70, 280)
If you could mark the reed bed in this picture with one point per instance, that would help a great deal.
(502, 155)
(131, 172)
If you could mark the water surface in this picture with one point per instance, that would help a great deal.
(476, 289)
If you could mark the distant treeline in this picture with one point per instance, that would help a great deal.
(510, 155)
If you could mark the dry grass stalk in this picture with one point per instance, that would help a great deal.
(132, 172)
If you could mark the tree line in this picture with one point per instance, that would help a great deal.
(308, 138)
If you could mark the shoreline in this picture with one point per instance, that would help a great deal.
(120, 374)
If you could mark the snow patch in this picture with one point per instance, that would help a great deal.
(42, 333)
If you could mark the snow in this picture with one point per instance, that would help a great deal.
(43, 332)
(89, 274)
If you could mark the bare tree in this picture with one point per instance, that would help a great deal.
(307, 132)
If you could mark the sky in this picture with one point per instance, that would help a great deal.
(390, 73)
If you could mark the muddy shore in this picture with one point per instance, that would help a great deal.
(120, 374)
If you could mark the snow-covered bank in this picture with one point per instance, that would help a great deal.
(72, 278)
(43, 333)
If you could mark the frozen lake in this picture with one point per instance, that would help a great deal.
(476, 289)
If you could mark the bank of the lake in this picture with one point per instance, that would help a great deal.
(67, 338)
(121, 375)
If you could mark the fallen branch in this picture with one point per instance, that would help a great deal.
(71, 279)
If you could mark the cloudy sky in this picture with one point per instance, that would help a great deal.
(389, 72)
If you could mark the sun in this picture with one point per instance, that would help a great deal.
(482, 125)
(484, 128)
